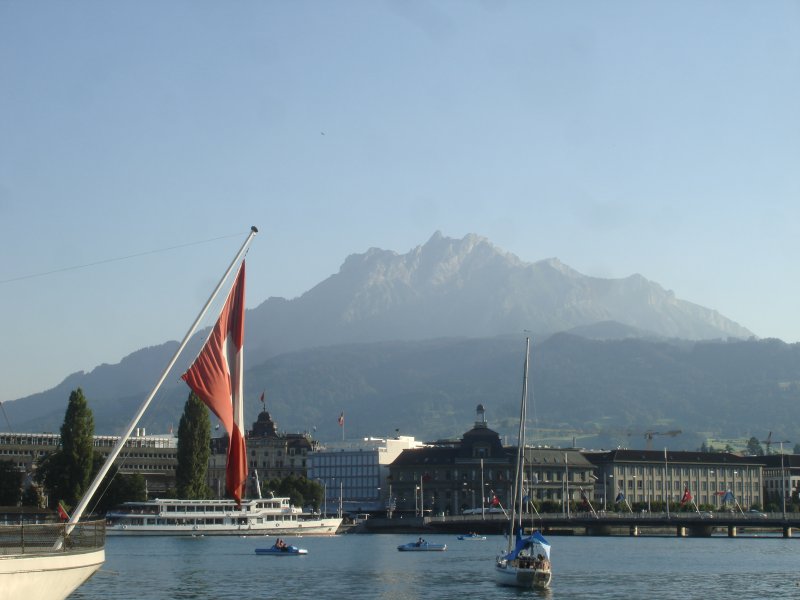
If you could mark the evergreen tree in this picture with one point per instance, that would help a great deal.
(194, 450)
(754, 447)
(77, 447)
(10, 483)
(67, 472)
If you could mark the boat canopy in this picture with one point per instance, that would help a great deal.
(534, 543)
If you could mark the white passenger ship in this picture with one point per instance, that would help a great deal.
(262, 516)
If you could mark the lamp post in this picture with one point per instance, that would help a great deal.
(483, 492)
(783, 478)
(324, 497)
(421, 498)
(566, 484)
(735, 498)
(341, 493)
(605, 488)
(712, 489)
(416, 501)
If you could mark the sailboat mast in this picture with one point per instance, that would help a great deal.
(517, 499)
(87, 496)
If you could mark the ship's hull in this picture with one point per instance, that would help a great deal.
(46, 576)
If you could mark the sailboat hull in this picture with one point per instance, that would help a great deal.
(48, 561)
(46, 576)
(509, 575)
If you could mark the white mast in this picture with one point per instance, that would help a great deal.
(520, 450)
(87, 496)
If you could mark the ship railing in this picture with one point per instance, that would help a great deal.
(52, 538)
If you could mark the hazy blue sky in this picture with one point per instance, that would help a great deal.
(660, 138)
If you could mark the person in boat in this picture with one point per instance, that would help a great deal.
(279, 543)
(420, 541)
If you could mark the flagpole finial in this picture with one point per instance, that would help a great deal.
(254, 229)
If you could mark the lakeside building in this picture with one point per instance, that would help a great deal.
(647, 476)
(152, 456)
(270, 454)
(355, 473)
(451, 476)
(781, 478)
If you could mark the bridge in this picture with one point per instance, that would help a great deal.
(681, 524)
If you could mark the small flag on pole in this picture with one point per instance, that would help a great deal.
(341, 420)
(62, 512)
(687, 496)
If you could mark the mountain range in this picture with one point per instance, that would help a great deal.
(413, 342)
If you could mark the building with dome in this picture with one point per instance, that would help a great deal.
(270, 454)
(449, 477)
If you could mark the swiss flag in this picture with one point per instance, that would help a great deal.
(687, 496)
(216, 378)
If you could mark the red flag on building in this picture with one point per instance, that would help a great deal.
(216, 377)
(341, 420)
(687, 496)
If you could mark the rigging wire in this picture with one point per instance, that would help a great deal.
(115, 259)
(10, 429)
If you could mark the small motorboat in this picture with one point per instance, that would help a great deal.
(282, 551)
(472, 536)
(422, 546)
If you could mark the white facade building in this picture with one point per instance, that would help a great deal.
(354, 474)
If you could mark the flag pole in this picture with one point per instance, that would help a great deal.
(87, 496)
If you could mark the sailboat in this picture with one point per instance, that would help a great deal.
(526, 561)
(49, 561)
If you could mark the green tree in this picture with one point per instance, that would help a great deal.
(194, 450)
(77, 446)
(10, 483)
(754, 447)
(32, 496)
(301, 491)
(119, 488)
(67, 472)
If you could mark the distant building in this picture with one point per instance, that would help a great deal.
(781, 478)
(357, 473)
(153, 456)
(647, 476)
(477, 471)
(270, 454)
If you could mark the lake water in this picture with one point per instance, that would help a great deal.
(370, 567)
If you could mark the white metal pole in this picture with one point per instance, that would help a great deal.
(483, 494)
(87, 496)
